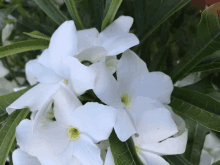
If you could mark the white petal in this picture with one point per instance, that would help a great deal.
(111, 63)
(86, 151)
(34, 98)
(86, 38)
(153, 159)
(63, 43)
(124, 126)
(20, 157)
(93, 54)
(41, 73)
(129, 67)
(52, 138)
(155, 123)
(211, 141)
(81, 77)
(75, 161)
(6, 86)
(155, 85)
(106, 87)
(45, 59)
(170, 146)
(109, 158)
(206, 159)
(95, 120)
(121, 44)
(65, 102)
(116, 28)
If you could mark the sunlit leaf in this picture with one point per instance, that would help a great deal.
(38, 35)
(74, 13)
(7, 133)
(23, 46)
(48, 6)
(110, 10)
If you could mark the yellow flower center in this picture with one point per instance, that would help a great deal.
(126, 100)
(137, 148)
(73, 132)
(66, 81)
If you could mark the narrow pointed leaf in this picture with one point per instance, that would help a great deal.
(177, 159)
(165, 11)
(7, 133)
(3, 117)
(111, 9)
(6, 100)
(198, 142)
(98, 6)
(124, 153)
(217, 163)
(208, 42)
(38, 35)
(197, 106)
(49, 7)
(4, 13)
(23, 46)
(74, 13)
(206, 67)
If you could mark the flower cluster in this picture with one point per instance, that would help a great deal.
(63, 131)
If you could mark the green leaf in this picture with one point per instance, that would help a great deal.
(164, 11)
(203, 86)
(51, 10)
(197, 106)
(7, 133)
(23, 46)
(74, 13)
(177, 160)
(206, 67)
(217, 163)
(98, 6)
(3, 117)
(124, 153)
(198, 142)
(4, 13)
(111, 9)
(6, 100)
(38, 35)
(208, 41)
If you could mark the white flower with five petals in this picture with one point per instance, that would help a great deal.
(72, 136)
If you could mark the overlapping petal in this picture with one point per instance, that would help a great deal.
(65, 102)
(63, 43)
(155, 85)
(124, 127)
(34, 98)
(129, 67)
(95, 120)
(42, 142)
(86, 151)
(80, 77)
(153, 159)
(41, 73)
(106, 86)
(22, 158)
(87, 38)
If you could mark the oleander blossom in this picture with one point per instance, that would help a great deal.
(72, 137)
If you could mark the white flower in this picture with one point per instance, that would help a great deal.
(6, 32)
(150, 151)
(115, 39)
(138, 95)
(74, 132)
(211, 150)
